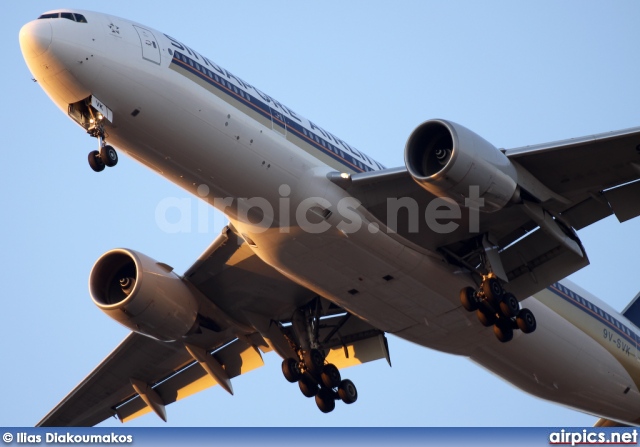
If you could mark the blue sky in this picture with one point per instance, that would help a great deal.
(516, 73)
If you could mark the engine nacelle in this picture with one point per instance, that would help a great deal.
(143, 295)
(447, 159)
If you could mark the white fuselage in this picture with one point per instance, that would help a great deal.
(266, 168)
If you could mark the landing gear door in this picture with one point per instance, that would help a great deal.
(90, 113)
(101, 108)
(150, 47)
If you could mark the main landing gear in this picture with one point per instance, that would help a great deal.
(315, 376)
(498, 308)
(320, 380)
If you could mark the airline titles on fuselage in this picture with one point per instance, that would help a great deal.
(276, 105)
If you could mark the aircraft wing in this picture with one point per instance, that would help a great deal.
(167, 369)
(143, 374)
(577, 182)
(596, 174)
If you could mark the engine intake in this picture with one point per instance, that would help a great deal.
(448, 159)
(143, 295)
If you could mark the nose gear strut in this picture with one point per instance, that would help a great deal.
(105, 155)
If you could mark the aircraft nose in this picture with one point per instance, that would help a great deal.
(35, 38)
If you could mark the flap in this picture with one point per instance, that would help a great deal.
(352, 341)
(588, 211)
(359, 352)
(625, 200)
(538, 260)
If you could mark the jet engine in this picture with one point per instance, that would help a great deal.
(143, 295)
(449, 160)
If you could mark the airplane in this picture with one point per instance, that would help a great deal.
(464, 249)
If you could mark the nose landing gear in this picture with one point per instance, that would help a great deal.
(498, 308)
(90, 113)
(106, 155)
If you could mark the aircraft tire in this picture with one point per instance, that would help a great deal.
(314, 361)
(308, 387)
(492, 290)
(290, 370)
(468, 299)
(109, 156)
(330, 376)
(325, 401)
(95, 161)
(509, 305)
(503, 332)
(526, 321)
(485, 318)
(347, 391)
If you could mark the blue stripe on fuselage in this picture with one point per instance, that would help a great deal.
(594, 311)
(280, 119)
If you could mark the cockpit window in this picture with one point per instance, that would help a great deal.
(65, 15)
